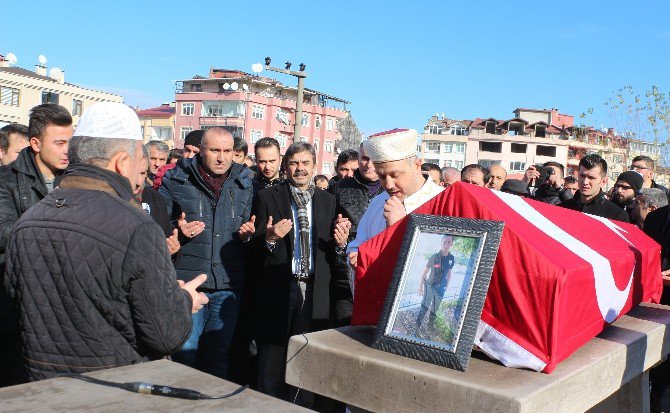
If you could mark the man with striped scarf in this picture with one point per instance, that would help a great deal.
(296, 235)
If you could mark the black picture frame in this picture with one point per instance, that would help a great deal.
(452, 289)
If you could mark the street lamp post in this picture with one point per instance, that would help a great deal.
(301, 75)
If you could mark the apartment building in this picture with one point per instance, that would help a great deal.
(514, 143)
(158, 123)
(532, 137)
(22, 89)
(253, 107)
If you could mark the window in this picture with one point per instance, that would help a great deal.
(281, 138)
(618, 159)
(327, 168)
(458, 129)
(435, 161)
(328, 146)
(184, 130)
(448, 147)
(187, 109)
(329, 123)
(76, 107)
(435, 129)
(515, 128)
(447, 162)
(50, 97)
(303, 139)
(258, 111)
(433, 146)
(161, 133)
(196, 87)
(305, 120)
(458, 165)
(317, 121)
(223, 108)
(490, 147)
(255, 135)
(519, 147)
(517, 166)
(460, 148)
(486, 163)
(490, 127)
(9, 96)
(316, 145)
(540, 131)
(542, 150)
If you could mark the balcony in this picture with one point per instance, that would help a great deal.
(221, 120)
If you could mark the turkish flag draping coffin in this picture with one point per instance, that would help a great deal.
(559, 279)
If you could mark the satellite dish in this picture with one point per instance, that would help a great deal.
(42, 59)
(56, 74)
(226, 86)
(234, 86)
(437, 115)
(257, 68)
(442, 115)
(245, 88)
(11, 58)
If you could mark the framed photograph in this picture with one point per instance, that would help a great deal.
(438, 289)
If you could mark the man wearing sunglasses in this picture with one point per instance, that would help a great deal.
(644, 165)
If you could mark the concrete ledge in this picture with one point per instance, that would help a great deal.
(71, 395)
(341, 365)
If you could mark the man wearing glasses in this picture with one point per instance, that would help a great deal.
(645, 166)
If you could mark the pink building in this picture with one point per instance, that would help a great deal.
(254, 107)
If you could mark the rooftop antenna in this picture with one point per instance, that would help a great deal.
(11, 58)
(256, 68)
(56, 74)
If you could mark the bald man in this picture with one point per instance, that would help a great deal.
(209, 197)
(498, 177)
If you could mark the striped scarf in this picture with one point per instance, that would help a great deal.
(301, 199)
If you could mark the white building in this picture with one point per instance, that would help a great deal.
(21, 90)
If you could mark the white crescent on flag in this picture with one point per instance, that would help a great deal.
(610, 299)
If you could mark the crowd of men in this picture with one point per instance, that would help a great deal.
(114, 253)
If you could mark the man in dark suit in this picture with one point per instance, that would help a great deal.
(295, 241)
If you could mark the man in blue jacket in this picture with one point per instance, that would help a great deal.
(209, 197)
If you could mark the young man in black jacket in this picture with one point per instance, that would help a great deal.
(590, 197)
(23, 184)
(89, 270)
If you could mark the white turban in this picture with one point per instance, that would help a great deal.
(392, 145)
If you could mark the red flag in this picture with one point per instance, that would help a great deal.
(559, 279)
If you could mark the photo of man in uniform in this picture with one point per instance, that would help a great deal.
(434, 281)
